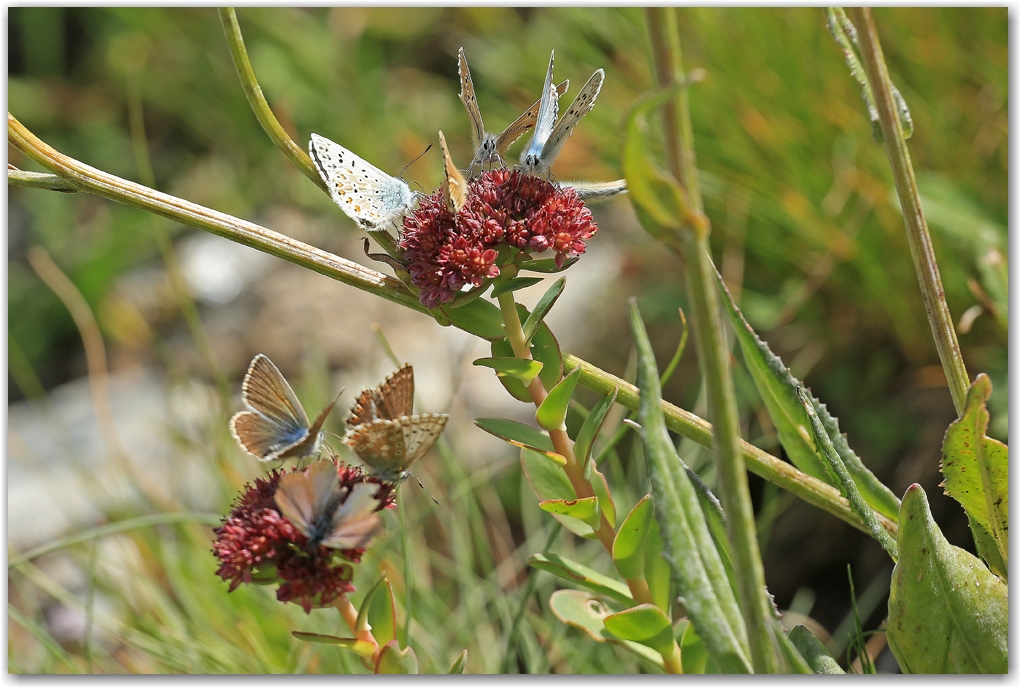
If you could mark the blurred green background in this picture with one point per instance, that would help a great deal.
(806, 230)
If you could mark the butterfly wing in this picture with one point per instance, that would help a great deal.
(363, 411)
(276, 421)
(261, 437)
(380, 445)
(420, 433)
(596, 190)
(526, 121)
(467, 96)
(356, 521)
(390, 400)
(454, 184)
(396, 393)
(365, 193)
(302, 496)
(311, 443)
(581, 106)
(548, 109)
(267, 391)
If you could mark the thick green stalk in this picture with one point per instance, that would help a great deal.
(921, 249)
(712, 350)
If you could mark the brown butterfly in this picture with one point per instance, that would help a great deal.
(383, 432)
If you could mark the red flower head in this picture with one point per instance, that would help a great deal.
(256, 543)
(504, 209)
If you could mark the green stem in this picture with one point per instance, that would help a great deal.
(258, 103)
(48, 182)
(405, 549)
(921, 249)
(565, 447)
(713, 352)
(86, 178)
(269, 122)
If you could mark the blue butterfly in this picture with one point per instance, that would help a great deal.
(275, 425)
(550, 134)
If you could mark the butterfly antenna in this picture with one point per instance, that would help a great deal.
(401, 175)
(420, 484)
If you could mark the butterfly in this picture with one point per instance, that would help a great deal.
(454, 184)
(550, 134)
(384, 434)
(274, 426)
(368, 195)
(339, 518)
(489, 147)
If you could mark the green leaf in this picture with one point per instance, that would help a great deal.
(947, 612)
(590, 429)
(586, 577)
(657, 573)
(586, 509)
(518, 368)
(459, 665)
(511, 430)
(976, 471)
(844, 481)
(515, 284)
(645, 624)
(542, 308)
(716, 520)
(658, 199)
(547, 265)
(778, 390)
(601, 488)
(693, 654)
(629, 544)
(549, 482)
(697, 570)
(396, 661)
(378, 612)
(544, 348)
(814, 652)
(553, 411)
(586, 613)
(792, 661)
(360, 647)
(479, 317)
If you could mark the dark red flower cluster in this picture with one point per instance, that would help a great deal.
(256, 543)
(446, 252)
